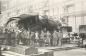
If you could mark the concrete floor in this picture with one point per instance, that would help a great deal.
(9, 53)
(73, 52)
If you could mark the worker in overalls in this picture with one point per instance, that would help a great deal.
(55, 38)
(37, 38)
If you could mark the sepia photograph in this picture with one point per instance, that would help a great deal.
(42, 28)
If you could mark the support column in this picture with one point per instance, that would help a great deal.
(82, 19)
(75, 24)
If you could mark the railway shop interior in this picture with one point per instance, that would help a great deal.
(42, 27)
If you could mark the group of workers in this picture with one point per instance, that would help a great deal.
(43, 38)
